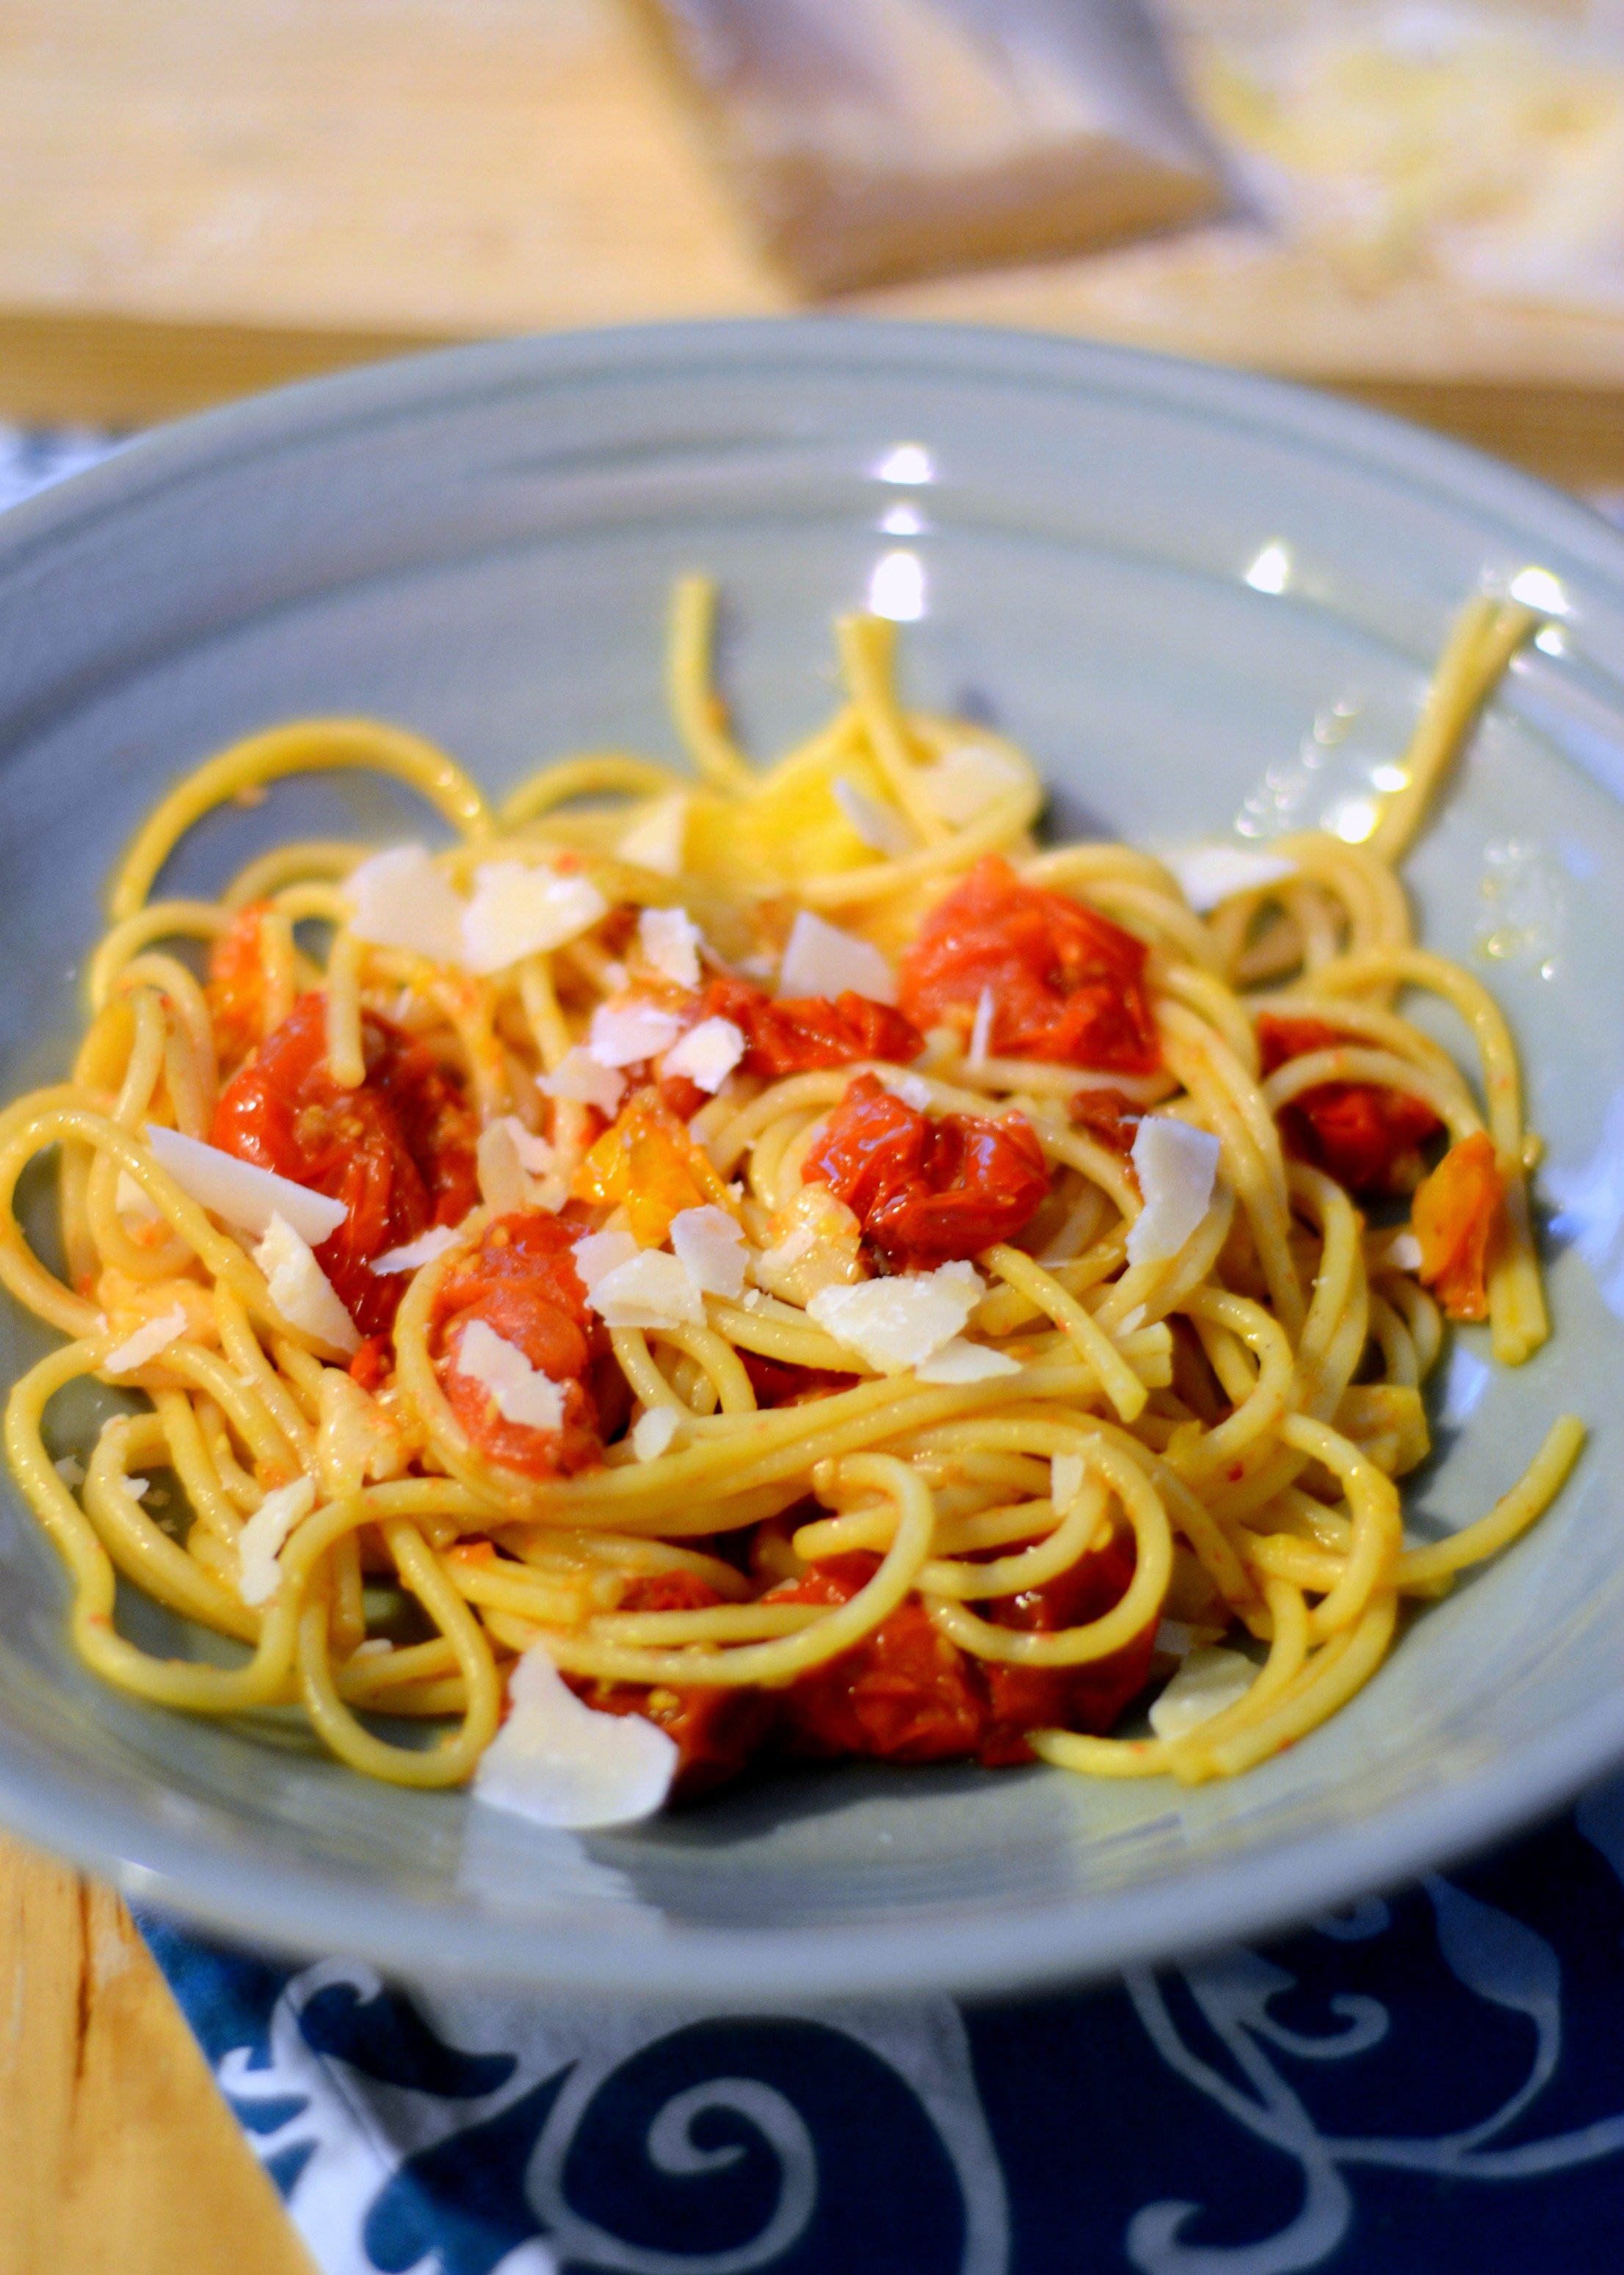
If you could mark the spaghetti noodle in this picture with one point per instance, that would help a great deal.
(915, 1358)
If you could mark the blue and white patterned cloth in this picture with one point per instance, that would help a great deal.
(1402, 2089)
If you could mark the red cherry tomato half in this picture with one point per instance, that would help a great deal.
(1367, 1137)
(793, 1034)
(1067, 985)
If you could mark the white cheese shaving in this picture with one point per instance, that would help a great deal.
(629, 1030)
(822, 960)
(138, 1488)
(418, 1253)
(908, 1087)
(71, 1470)
(400, 900)
(659, 836)
(133, 1200)
(1403, 1253)
(981, 1034)
(522, 1393)
(881, 829)
(517, 912)
(710, 1247)
(1174, 1637)
(963, 1360)
(652, 1433)
(260, 1543)
(375, 1647)
(894, 1325)
(145, 1342)
(706, 1053)
(599, 1253)
(1210, 1679)
(356, 1438)
(585, 1080)
(651, 1290)
(1211, 875)
(669, 942)
(245, 1196)
(964, 783)
(1177, 1166)
(558, 1761)
(1065, 1480)
(503, 1186)
(300, 1289)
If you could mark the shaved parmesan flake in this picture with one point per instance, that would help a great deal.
(822, 960)
(599, 1253)
(71, 1470)
(558, 1761)
(894, 1325)
(138, 1488)
(882, 830)
(1403, 1253)
(522, 1393)
(963, 1360)
(624, 1032)
(536, 1156)
(658, 838)
(146, 1343)
(243, 1195)
(706, 1053)
(418, 1253)
(965, 782)
(652, 1433)
(1177, 1166)
(669, 939)
(586, 1080)
(401, 900)
(651, 1290)
(261, 1542)
(1209, 875)
(300, 1289)
(503, 1186)
(1065, 1480)
(375, 1647)
(517, 912)
(710, 1247)
(1210, 1679)
(908, 1087)
(133, 1200)
(357, 1438)
(981, 1034)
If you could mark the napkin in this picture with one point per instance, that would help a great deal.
(1402, 2086)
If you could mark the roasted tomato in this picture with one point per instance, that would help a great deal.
(1454, 1214)
(521, 1281)
(236, 988)
(1367, 1137)
(398, 1151)
(906, 1694)
(1066, 983)
(646, 1161)
(718, 1729)
(926, 1191)
(793, 1034)
(1107, 1116)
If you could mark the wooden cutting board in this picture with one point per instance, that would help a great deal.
(196, 201)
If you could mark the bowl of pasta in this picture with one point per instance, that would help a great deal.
(811, 1161)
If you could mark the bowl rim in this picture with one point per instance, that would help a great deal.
(302, 1910)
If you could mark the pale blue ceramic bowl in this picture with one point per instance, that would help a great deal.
(1191, 595)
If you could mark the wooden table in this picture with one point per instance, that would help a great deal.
(198, 201)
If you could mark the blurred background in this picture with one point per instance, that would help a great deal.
(1420, 204)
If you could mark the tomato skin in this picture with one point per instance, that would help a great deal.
(927, 1191)
(1108, 1116)
(796, 1035)
(719, 1729)
(1066, 984)
(398, 1151)
(777, 1384)
(1455, 1214)
(907, 1694)
(521, 1281)
(647, 1160)
(1367, 1137)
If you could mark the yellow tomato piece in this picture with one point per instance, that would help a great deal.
(647, 1162)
